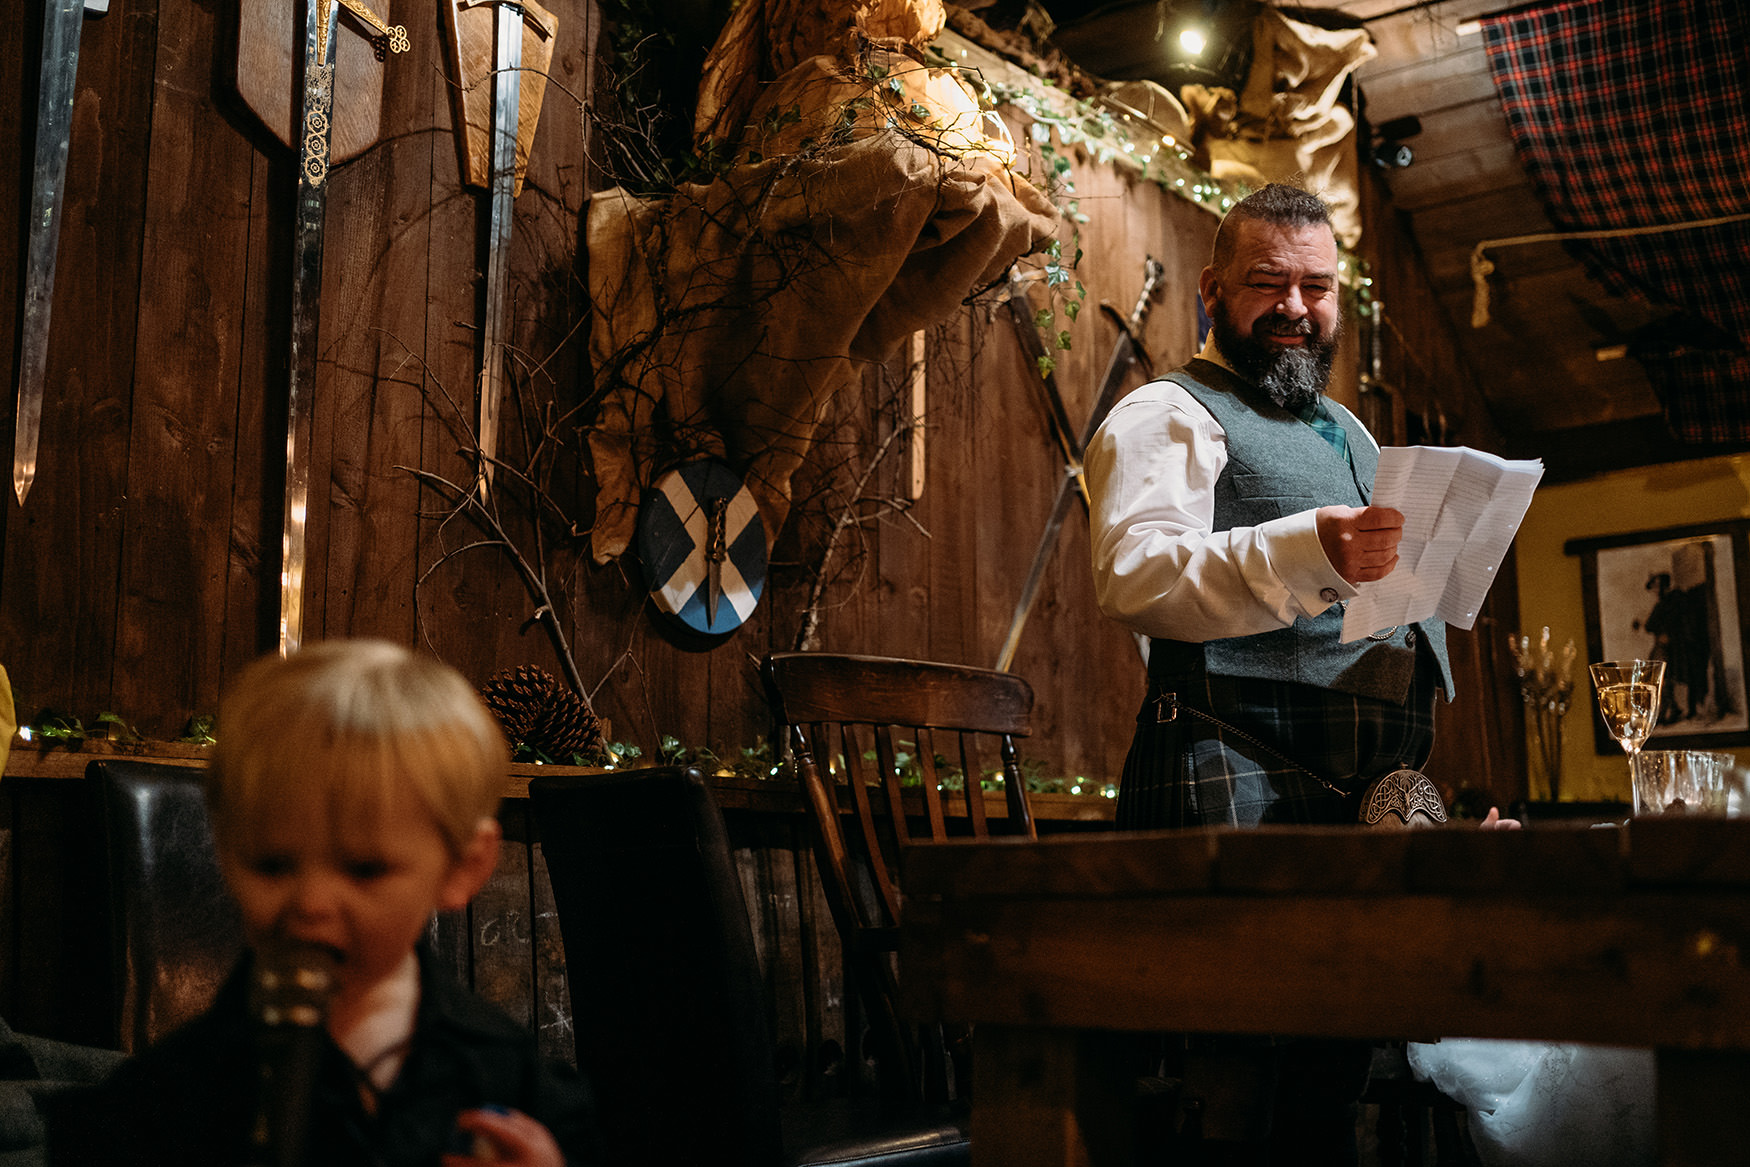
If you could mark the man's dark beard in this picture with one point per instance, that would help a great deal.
(1291, 377)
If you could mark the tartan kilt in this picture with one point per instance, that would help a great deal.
(1188, 772)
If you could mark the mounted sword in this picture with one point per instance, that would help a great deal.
(514, 40)
(1127, 350)
(316, 125)
(54, 128)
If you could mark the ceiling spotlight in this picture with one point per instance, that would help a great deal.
(1193, 41)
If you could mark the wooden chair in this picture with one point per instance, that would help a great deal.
(671, 1022)
(903, 727)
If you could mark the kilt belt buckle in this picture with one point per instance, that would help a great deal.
(1166, 707)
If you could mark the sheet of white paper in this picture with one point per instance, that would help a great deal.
(1461, 509)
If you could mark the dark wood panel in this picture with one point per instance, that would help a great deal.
(502, 940)
(1410, 87)
(1501, 213)
(952, 590)
(915, 599)
(1612, 446)
(374, 388)
(553, 1009)
(182, 451)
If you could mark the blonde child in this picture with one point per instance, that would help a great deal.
(353, 792)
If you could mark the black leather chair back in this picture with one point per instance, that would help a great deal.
(669, 1002)
(175, 930)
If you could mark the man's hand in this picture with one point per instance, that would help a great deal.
(1360, 542)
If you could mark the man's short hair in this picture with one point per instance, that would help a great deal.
(345, 723)
(1277, 204)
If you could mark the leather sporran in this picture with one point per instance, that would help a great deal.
(1401, 800)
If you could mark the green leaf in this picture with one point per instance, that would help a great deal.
(1072, 310)
(1046, 365)
(1043, 319)
(1063, 341)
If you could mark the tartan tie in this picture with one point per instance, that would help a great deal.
(1329, 428)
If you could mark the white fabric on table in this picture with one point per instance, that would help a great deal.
(1534, 1104)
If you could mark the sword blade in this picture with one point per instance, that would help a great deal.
(1027, 332)
(1067, 488)
(506, 93)
(716, 550)
(54, 125)
(1127, 350)
(312, 201)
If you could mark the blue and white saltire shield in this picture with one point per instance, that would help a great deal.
(699, 532)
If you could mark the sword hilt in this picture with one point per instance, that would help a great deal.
(1152, 273)
(536, 17)
(396, 35)
(716, 551)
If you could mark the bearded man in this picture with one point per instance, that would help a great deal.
(1230, 522)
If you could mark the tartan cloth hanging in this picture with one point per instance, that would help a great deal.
(1631, 115)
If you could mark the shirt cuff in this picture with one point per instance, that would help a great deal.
(1301, 562)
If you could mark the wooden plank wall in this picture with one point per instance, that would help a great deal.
(141, 574)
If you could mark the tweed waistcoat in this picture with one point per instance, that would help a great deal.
(1277, 465)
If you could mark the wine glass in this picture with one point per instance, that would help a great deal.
(1628, 701)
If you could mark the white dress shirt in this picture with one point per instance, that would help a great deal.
(378, 1042)
(1160, 568)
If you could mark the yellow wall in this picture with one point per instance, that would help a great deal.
(1644, 499)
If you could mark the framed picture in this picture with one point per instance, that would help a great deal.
(1679, 595)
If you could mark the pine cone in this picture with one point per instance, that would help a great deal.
(565, 726)
(516, 696)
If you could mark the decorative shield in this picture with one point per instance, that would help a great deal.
(703, 546)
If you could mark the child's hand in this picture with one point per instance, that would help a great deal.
(503, 1136)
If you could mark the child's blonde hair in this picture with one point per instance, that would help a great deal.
(342, 724)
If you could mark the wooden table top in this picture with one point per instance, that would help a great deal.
(1632, 935)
